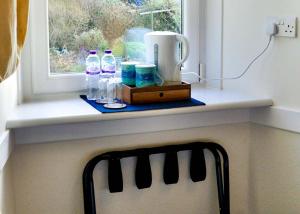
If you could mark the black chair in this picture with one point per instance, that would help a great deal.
(143, 175)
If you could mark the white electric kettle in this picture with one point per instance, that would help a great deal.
(162, 49)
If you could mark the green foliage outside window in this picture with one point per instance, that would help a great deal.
(76, 26)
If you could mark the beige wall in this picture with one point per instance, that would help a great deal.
(7, 203)
(8, 100)
(274, 171)
(48, 176)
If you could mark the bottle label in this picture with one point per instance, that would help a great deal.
(92, 72)
(109, 69)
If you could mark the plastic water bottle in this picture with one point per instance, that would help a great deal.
(92, 75)
(108, 63)
(108, 70)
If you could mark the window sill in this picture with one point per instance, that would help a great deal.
(75, 110)
(62, 117)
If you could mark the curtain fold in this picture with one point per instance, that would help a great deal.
(13, 28)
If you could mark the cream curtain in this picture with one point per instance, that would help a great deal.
(13, 27)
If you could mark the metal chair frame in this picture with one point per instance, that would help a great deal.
(222, 174)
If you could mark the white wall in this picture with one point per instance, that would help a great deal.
(274, 154)
(264, 173)
(264, 161)
(277, 73)
(47, 177)
(8, 100)
(213, 37)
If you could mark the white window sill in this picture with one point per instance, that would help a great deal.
(75, 110)
(73, 118)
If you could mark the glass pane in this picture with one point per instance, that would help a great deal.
(76, 26)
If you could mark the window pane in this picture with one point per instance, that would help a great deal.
(76, 26)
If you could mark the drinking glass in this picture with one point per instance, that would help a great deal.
(114, 94)
(111, 91)
(102, 85)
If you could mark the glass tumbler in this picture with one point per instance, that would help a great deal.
(111, 91)
(102, 85)
(114, 94)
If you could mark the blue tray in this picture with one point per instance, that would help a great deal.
(153, 106)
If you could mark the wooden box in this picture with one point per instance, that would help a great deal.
(156, 94)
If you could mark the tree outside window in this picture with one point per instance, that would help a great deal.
(76, 26)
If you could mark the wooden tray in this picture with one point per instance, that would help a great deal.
(156, 94)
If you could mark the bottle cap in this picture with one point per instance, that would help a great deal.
(93, 52)
(108, 51)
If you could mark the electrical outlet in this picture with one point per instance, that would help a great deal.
(286, 25)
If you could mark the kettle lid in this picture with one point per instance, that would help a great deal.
(161, 33)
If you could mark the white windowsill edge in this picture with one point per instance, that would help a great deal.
(73, 118)
(5, 148)
(278, 117)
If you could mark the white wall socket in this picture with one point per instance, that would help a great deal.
(287, 25)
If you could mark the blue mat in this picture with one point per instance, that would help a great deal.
(144, 107)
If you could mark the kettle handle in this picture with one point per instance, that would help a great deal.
(186, 50)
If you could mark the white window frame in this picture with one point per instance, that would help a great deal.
(42, 81)
(36, 53)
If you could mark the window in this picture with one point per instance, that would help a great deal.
(76, 26)
(61, 31)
